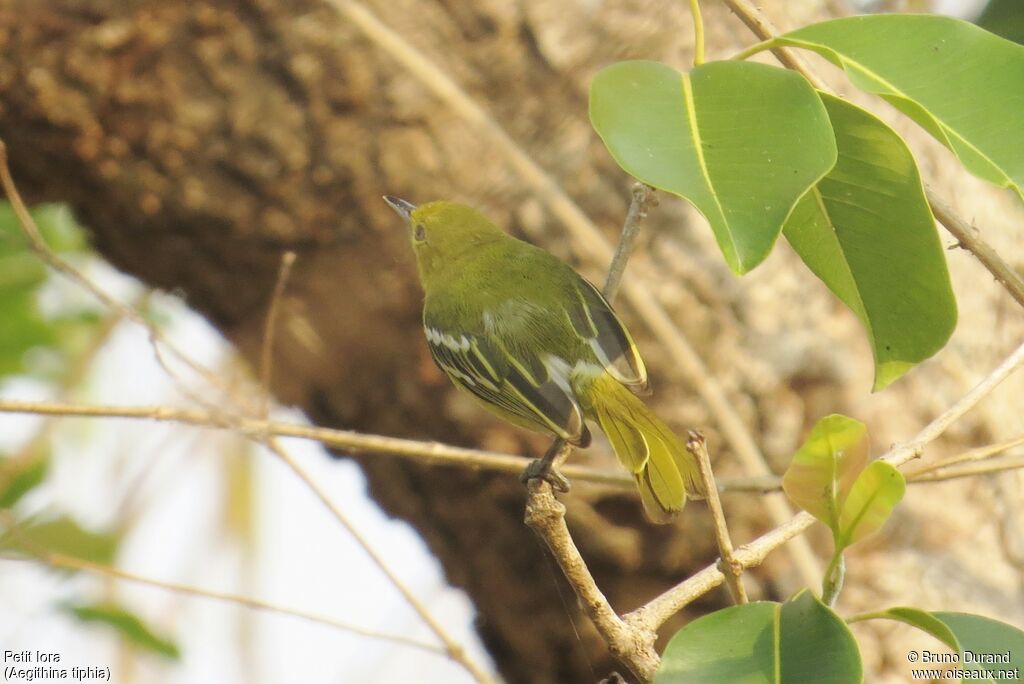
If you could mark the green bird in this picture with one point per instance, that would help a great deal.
(539, 346)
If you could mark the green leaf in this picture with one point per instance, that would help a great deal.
(60, 535)
(20, 476)
(823, 470)
(741, 141)
(963, 85)
(871, 501)
(867, 232)
(984, 639)
(23, 329)
(792, 643)
(129, 625)
(55, 222)
(816, 645)
(974, 638)
(1004, 18)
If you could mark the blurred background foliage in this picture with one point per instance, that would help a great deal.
(49, 337)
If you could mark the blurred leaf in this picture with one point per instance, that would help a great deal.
(128, 625)
(823, 470)
(871, 501)
(866, 230)
(960, 83)
(61, 535)
(742, 141)
(1004, 18)
(22, 273)
(20, 476)
(22, 330)
(796, 642)
(55, 222)
(981, 636)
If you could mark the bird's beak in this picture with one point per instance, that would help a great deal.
(401, 207)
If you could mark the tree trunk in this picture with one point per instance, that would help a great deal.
(200, 140)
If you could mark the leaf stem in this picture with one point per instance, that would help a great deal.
(753, 50)
(832, 583)
(698, 33)
(870, 615)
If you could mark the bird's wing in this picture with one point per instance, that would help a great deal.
(519, 383)
(592, 317)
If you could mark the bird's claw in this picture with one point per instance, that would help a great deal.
(542, 469)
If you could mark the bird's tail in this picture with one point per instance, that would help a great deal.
(665, 472)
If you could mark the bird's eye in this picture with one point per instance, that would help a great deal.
(419, 232)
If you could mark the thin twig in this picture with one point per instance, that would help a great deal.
(643, 198)
(65, 268)
(654, 614)
(972, 469)
(431, 453)
(589, 243)
(968, 236)
(270, 328)
(731, 568)
(976, 454)
(59, 560)
(454, 650)
(32, 448)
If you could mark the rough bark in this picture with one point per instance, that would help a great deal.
(199, 140)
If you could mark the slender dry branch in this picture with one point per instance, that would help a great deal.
(432, 453)
(589, 243)
(730, 567)
(976, 454)
(58, 560)
(968, 236)
(454, 650)
(65, 268)
(654, 614)
(270, 328)
(972, 469)
(644, 198)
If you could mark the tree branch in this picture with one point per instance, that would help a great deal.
(58, 560)
(546, 516)
(730, 567)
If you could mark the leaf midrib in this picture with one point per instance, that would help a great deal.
(691, 115)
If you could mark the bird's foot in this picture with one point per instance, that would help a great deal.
(541, 469)
(544, 469)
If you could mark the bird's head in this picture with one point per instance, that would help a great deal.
(442, 233)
